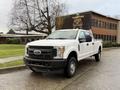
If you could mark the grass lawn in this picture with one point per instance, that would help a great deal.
(8, 50)
(12, 63)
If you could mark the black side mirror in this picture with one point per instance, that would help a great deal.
(81, 40)
(88, 38)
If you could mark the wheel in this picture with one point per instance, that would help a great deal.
(70, 69)
(35, 70)
(98, 56)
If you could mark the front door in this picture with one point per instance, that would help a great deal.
(82, 45)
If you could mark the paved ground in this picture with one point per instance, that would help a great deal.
(4, 60)
(104, 75)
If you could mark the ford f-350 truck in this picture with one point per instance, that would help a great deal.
(62, 49)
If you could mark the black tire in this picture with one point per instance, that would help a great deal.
(71, 67)
(98, 56)
(35, 70)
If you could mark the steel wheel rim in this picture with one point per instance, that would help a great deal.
(72, 67)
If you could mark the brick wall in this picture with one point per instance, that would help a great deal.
(118, 33)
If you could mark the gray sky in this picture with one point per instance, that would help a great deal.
(5, 8)
(106, 7)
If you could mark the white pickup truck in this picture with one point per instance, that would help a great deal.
(62, 49)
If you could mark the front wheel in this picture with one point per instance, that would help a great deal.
(98, 56)
(71, 67)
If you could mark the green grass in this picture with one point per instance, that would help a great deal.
(8, 50)
(12, 63)
(110, 44)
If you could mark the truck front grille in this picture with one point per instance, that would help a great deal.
(44, 52)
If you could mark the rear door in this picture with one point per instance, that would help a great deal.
(89, 43)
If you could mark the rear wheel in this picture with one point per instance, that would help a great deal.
(71, 67)
(98, 56)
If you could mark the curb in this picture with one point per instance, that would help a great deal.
(12, 69)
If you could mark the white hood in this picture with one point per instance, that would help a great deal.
(51, 42)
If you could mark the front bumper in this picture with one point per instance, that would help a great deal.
(45, 65)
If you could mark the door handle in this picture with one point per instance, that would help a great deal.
(87, 44)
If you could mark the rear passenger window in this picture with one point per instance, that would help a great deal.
(87, 34)
(88, 37)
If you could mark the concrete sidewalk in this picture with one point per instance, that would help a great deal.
(4, 60)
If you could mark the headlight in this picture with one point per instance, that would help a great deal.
(60, 51)
(26, 50)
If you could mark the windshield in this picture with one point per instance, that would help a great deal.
(63, 35)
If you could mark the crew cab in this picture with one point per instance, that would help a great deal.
(62, 49)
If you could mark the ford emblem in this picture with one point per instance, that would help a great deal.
(37, 52)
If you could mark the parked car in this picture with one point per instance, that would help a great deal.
(62, 49)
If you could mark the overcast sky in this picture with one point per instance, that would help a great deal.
(106, 7)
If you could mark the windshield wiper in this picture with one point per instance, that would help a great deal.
(60, 38)
(50, 38)
(57, 38)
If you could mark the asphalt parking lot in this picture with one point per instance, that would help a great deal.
(90, 75)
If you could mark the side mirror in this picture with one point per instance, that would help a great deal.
(88, 38)
(81, 40)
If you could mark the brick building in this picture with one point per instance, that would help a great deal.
(103, 27)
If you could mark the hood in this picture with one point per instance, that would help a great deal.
(51, 42)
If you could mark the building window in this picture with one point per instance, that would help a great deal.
(115, 26)
(102, 24)
(110, 25)
(99, 24)
(96, 23)
(105, 25)
(93, 22)
(108, 37)
(115, 38)
(105, 37)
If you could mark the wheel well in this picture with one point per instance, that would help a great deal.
(73, 53)
(100, 48)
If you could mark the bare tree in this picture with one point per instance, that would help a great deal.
(37, 15)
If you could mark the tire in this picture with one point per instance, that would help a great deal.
(98, 56)
(71, 67)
